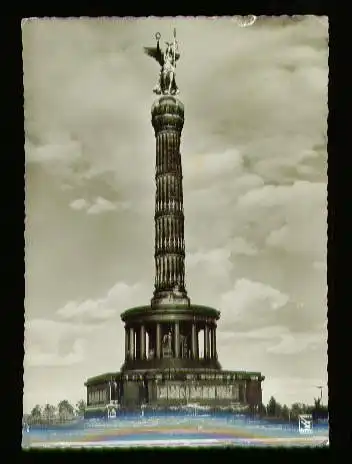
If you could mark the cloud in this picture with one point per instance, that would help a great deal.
(297, 343)
(55, 152)
(62, 341)
(240, 246)
(207, 168)
(252, 305)
(227, 337)
(79, 204)
(98, 206)
(119, 298)
(53, 343)
(36, 358)
(214, 262)
(249, 303)
(290, 222)
(278, 340)
(87, 310)
(102, 205)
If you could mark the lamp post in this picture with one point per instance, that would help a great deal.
(320, 387)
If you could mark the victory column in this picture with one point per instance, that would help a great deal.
(163, 364)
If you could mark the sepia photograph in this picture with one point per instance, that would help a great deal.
(175, 231)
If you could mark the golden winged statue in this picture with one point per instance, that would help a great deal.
(167, 59)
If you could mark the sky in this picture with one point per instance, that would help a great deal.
(255, 186)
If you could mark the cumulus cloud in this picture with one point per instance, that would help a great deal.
(88, 309)
(289, 222)
(101, 205)
(98, 206)
(240, 246)
(118, 299)
(53, 343)
(207, 168)
(57, 153)
(79, 204)
(297, 342)
(274, 339)
(37, 358)
(215, 262)
(62, 341)
(65, 151)
(249, 302)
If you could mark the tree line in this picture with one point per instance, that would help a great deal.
(65, 411)
(275, 410)
(49, 414)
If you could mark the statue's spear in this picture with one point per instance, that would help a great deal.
(175, 47)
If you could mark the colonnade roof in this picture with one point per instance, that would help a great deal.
(169, 313)
(245, 375)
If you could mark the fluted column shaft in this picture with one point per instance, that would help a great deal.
(167, 120)
(169, 218)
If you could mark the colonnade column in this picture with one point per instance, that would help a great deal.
(127, 343)
(142, 342)
(214, 342)
(137, 344)
(158, 340)
(131, 340)
(194, 341)
(211, 341)
(177, 340)
(206, 341)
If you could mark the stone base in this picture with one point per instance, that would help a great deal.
(175, 388)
